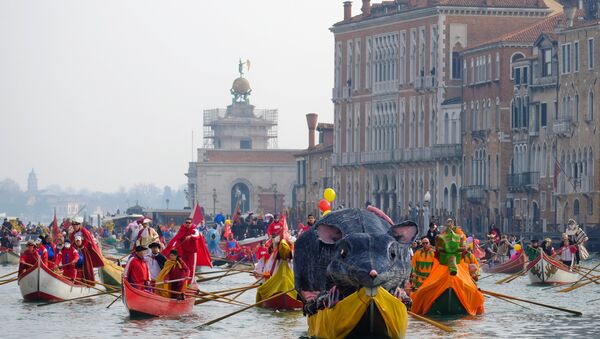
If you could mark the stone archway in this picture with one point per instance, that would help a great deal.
(240, 193)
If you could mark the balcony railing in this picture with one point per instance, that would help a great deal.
(479, 134)
(519, 182)
(475, 194)
(425, 82)
(562, 126)
(447, 151)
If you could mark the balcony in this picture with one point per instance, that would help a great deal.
(562, 126)
(475, 194)
(425, 83)
(350, 158)
(376, 157)
(480, 134)
(521, 182)
(543, 81)
(447, 151)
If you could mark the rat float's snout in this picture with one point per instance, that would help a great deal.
(373, 274)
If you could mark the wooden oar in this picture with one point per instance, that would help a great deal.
(256, 284)
(114, 288)
(8, 281)
(511, 302)
(432, 322)
(72, 299)
(243, 309)
(494, 294)
(506, 279)
(590, 280)
(220, 276)
(584, 276)
(208, 298)
(11, 273)
(117, 298)
(233, 301)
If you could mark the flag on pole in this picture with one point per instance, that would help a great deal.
(54, 229)
(236, 213)
(197, 216)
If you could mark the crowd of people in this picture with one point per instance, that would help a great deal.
(497, 249)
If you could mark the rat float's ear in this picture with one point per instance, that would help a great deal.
(405, 232)
(328, 234)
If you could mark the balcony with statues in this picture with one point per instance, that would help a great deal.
(475, 194)
(522, 182)
(562, 126)
(447, 151)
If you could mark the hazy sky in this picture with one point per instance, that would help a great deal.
(103, 94)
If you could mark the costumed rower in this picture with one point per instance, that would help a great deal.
(310, 221)
(191, 246)
(422, 262)
(262, 256)
(177, 273)
(578, 237)
(533, 250)
(51, 250)
(42, 251)
(66, 258)
(449, 246)
(136, 271)
(88, 249)
(29, 257)
(471, 260)
(155, 260)
(146, 235)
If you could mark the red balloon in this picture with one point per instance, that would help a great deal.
(324, 205)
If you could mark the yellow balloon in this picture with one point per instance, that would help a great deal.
(227, 221)
(517, 247)
(329, 194)
(326, 212)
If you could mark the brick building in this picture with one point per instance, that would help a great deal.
(395, 65)
(576, 124)
(500, 181)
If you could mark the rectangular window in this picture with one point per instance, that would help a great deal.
(566, 58)
(525, 75)
(544, 114)
(517, 75)
(456, 65)
(245, 144)
(576, 56)
(547, 62)
(591, 53)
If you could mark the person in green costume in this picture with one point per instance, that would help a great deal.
(533, 250)
(450, 245)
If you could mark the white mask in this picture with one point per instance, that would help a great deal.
(67, 245)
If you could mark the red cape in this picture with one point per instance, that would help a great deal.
(197, 245)
(94, 253)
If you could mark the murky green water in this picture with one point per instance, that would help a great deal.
(91, 318)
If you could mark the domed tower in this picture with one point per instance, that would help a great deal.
(240, 126)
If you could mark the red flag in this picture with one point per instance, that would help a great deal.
(197, 216)
(54, 229)
(236, 213)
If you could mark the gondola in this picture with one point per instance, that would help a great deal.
(146, 304)
(546, 270)
(38, 282)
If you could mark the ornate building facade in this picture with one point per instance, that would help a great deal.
(239, 163)
(397, 74)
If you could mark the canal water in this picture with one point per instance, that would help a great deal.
(90, 318)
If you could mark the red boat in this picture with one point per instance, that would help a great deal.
(283, 302)
(511, 267)
(146, 304)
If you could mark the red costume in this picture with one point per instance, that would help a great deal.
(192, 250)
(28, 259)
(262, 252)
(275, 228)
(179, 271)
(89, 247)
(137, 272)
(43, 252)
(302, 228)
(68, 257)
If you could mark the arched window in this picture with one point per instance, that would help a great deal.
(446, 129)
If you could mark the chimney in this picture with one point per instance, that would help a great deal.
(366, 7)
(347, 10)
(311, 120)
